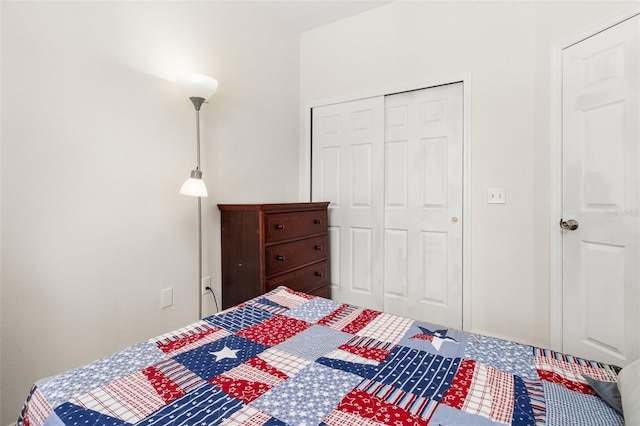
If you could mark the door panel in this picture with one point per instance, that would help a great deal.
(347, 156)
(601, 188)
(434, 256)
(423, 205)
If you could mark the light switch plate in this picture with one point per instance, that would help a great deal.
(166, 297)
(497, 196)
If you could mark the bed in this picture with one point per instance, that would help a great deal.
(288, 358)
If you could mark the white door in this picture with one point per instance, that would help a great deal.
(423, 205)
(395, 218)
(601, 191)
(347, 170)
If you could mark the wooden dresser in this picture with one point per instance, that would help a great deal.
(268, 245)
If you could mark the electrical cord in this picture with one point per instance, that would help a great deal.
(214, 298)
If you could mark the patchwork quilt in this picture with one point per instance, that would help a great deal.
(287, 358)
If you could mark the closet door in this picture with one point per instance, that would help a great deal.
(423, 204)
(347, 170)
(392, 169)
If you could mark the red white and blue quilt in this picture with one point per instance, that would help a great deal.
(287, 358)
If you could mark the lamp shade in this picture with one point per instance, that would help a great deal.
(194, 186)
(197, 85)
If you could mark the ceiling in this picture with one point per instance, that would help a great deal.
(305, 15)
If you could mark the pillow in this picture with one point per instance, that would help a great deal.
(629, 385)
(608, 391)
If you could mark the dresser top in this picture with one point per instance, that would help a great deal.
(272, 208)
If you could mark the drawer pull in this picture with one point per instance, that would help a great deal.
(318, 274)
(280, 258)
(317, 221)
(279, 226)
(318, 248)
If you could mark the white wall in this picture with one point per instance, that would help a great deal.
(505, 46)
(95, 145)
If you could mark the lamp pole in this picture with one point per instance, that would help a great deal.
(199, 88)
(197, 103)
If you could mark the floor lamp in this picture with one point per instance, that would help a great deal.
(198, 88)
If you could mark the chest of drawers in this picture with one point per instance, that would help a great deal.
(268, 245)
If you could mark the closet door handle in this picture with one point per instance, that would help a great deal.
(280, 258)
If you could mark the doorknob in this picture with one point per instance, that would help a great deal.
(570, 224)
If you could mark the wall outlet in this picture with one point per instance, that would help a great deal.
(206, 282)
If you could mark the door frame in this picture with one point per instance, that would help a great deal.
(555, 165)
(465, 79)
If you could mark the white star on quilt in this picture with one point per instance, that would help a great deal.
(225, 352)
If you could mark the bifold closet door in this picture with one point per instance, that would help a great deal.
(347, 170)
(391, 168)
(423, 204)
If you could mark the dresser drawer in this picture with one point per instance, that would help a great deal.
(321, 291)
(283, 257)
(304, 280)
(283, 226)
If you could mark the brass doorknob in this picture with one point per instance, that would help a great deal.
(570, 224)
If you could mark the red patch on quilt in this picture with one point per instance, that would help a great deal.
(297, 293)
(374, 354)
(329, 318)
(569, 384)
(173, 345)
(166, 388)
(377, 409)
(274, 330)
(262, 365)
(361, 321)
(422, 336)
(457, 393)
(244, 390)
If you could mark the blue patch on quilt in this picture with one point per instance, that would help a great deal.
(217, 357)
(309, 396)
(81, 380)
(274, 422)
(421, 373)
(445, 415)
(205, 405)
(52, 420)
(74, 414)
(314, 342)
(362, 370)
(434, 339)
(503, 355)
(239, 319)
(314, 310)
(269, 302)
(522, 410)
(593, 411)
